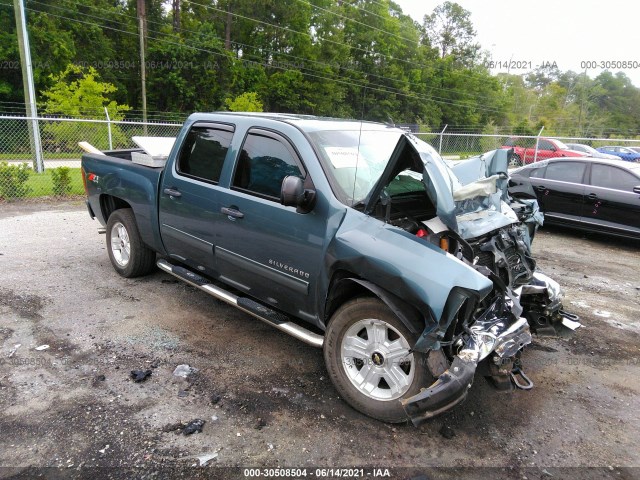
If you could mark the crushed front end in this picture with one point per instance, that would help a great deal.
(492, 234)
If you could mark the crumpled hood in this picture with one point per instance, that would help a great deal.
(470, 196)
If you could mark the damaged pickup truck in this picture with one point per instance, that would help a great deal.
(414, 276)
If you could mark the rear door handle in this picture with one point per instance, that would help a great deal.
(541, 188)
(172, 192)
(592, 196)
(232, 212)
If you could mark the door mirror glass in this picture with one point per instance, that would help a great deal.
(293, 194)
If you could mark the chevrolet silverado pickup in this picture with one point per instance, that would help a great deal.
(412, 274)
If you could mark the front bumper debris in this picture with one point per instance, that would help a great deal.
(502, 335)
(541, 300)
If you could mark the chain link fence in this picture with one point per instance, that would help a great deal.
(56, 172)
(528, 149)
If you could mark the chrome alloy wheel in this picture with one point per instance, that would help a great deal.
(377, 359)
(120, 244)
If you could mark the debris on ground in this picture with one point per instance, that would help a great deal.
(184, 371)
(193, 426)
(14, 349)
(260, 424)
(140, 375)
(98, 379)
(206, 458)
(172, 427)
(215, 399)
(42, 347)
(183, 393)
(447, 432)
(106, 447)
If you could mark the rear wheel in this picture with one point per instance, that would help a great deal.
(368, 355)
(515, 161)
(129, 256)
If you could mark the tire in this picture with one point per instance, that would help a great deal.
(129, 256)
(515, 161)
(373, 375)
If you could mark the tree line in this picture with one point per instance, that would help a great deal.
(344, 58)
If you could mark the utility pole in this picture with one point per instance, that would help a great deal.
(27, 83)
(176, 15)
(142, 22)
(227, 29)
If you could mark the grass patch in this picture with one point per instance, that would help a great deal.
(41, 184)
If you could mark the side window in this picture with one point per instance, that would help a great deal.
(544, 145)
(614, 178)
(263, 163)
(565, 171)
(203, 153)
(537, 172)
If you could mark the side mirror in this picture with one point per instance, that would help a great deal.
(293, 194)
(636, 189)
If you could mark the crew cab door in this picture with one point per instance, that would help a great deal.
(189, 195)
(262, 247)
(610, 201)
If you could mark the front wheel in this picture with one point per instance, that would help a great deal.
(367, 351)
(129, 256)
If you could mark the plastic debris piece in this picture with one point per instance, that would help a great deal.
(14, 349)
(193, 426)
(42, 347)
(140, 375)
(184, 371)
(106, 447)
(206, 458)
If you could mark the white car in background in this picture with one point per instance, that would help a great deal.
(592, 152)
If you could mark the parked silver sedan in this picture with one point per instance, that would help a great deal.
(592, 152)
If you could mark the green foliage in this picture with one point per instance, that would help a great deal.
(78, 92)
(490, 143)
(247, 102)
(13, 179)
(364, 59)
(61, 178)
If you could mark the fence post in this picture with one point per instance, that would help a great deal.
(441, 133)
(535, 152)
(106, 112)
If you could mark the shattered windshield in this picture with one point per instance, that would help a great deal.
(354, 159)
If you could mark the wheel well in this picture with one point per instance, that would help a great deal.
(109, 204)
(340, 292)
(346, 286)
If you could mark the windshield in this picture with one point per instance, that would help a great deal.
(561, 145)
(354, 159)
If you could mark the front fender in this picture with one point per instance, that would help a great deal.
(418, 272)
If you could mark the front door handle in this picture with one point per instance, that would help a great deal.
(232, 212)
(592, 196)
(541, 188)
(172, 192)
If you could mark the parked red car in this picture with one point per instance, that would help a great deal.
(525, 150)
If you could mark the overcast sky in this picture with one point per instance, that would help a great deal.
(567, 32)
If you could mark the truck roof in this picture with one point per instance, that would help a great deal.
(307, 123)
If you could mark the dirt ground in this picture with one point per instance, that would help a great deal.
(267, 403)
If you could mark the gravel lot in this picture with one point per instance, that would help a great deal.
(265, 397)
